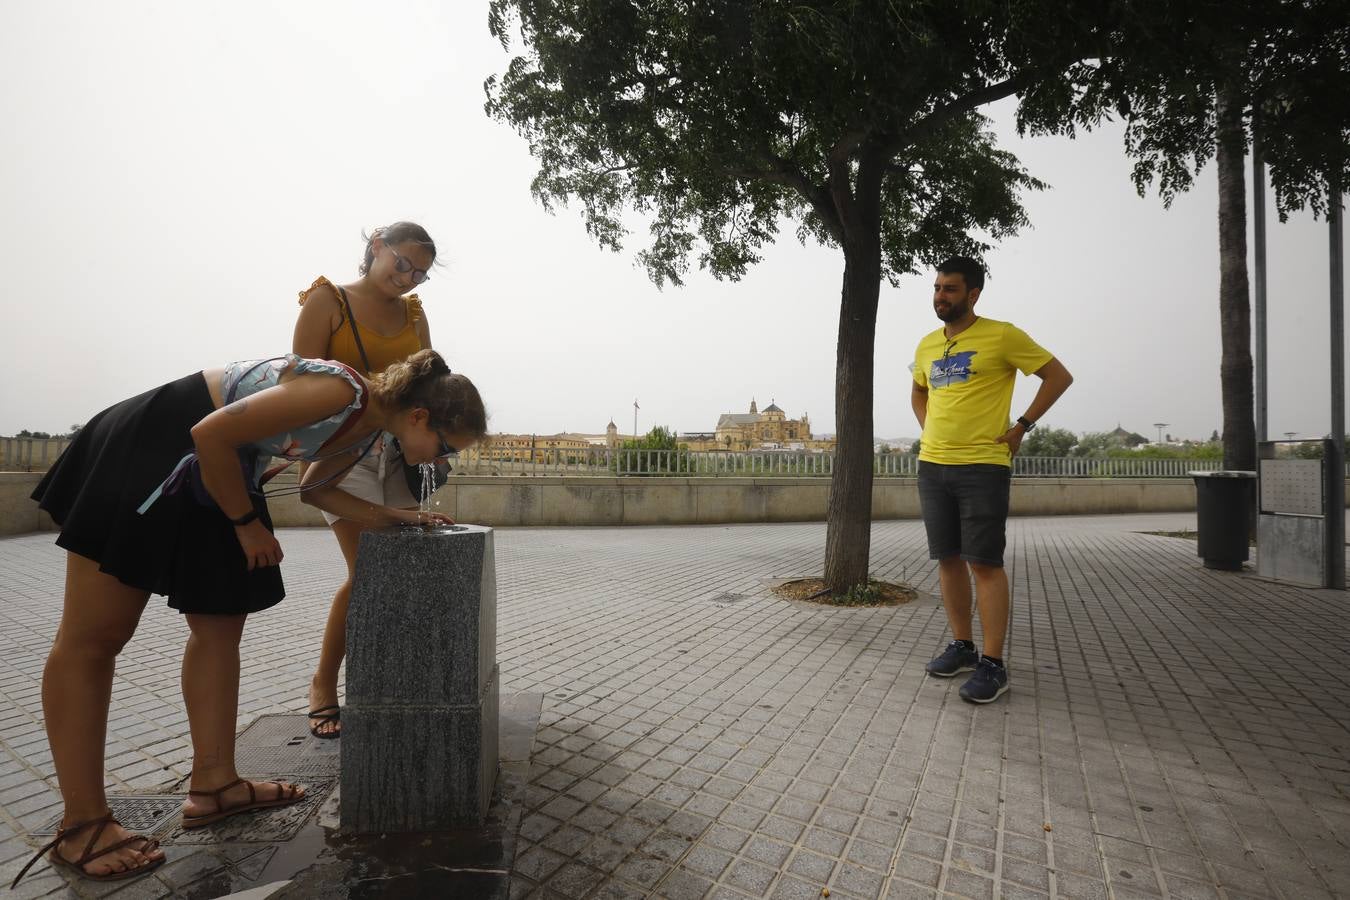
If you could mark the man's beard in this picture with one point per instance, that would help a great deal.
(955, 312)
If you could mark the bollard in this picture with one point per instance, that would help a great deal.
(419, 728)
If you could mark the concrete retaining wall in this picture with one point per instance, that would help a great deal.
(18, 514)
(505, 501)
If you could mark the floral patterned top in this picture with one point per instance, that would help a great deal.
(243, 379)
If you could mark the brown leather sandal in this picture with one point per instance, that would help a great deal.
(286, 795)
(148, 846)
(326, 714)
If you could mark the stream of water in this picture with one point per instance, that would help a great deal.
(428, 486)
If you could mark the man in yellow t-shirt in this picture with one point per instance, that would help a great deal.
(962, 396)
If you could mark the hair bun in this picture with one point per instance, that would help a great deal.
(424, 380)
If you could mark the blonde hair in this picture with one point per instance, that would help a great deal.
(425, 381)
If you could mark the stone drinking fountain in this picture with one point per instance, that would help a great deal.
(419, 727)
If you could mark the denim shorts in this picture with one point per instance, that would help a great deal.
(965, 510)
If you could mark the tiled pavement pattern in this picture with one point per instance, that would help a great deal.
(1171, 732)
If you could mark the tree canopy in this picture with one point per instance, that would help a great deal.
(1281, 62)
(1270, 73)
(720, 120)
(1048, 441)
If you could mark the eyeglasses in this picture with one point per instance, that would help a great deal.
(403, 265)
(445, 450)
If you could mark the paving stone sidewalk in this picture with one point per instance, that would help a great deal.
(1171, 731)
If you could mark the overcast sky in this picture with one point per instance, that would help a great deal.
(174, 173)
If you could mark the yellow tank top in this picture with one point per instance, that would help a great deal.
(380, 349)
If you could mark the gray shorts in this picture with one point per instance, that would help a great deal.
(965, 510)
(377, 478)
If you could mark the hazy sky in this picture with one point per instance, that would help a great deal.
(174, 173)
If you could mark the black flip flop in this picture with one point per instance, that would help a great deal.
(325, 714)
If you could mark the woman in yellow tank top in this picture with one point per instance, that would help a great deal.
(392, 327)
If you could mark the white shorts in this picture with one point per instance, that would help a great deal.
(377, 478)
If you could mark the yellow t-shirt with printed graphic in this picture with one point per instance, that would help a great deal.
(970, 386)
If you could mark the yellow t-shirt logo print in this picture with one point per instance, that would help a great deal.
(952, 367)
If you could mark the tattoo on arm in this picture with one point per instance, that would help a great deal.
(236, 408)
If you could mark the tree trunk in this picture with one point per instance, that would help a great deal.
(848, 534)
(1235, 325)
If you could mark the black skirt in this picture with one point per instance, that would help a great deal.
(178, 548)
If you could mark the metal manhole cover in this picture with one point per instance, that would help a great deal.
(269, 826)
(282, 743)
(139, 814)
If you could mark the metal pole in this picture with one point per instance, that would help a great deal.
(1259, 228)
(1335, 556)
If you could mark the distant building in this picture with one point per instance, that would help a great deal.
(767, 430)
(698, 440)
(1126, 438)
(544, 447)
(755, 430)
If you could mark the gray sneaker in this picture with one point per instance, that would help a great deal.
(955, 659)
(989, 682)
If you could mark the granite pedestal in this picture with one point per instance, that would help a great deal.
(419, 729)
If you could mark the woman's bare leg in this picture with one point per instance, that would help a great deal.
(211, 692)
(323, 687)
(99, 616)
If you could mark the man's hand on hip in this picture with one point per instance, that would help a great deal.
(1012, 437)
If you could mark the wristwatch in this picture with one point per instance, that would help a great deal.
(1026, 423)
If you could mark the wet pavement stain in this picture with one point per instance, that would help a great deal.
(321, 862)
(461, 863)
(299, 852)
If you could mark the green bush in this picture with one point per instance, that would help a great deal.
(673, 459)
(1047, 441)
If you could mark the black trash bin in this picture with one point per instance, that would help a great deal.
(1225, 503)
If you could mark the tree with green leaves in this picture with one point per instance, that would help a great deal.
(855, 123)
(659, 450)
(1047, 441)
(1271, 71)
(1095, 444)
(659, 438)
(1308, 450)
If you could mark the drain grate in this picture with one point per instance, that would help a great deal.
(273, 747)
(282, 743)
(271, 826)
(158, 816)
(141, 814)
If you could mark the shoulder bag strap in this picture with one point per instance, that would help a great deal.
(351, 320)
(365, 361)
(298, 489)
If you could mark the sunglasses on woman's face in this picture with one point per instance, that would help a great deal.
(445, 448)
(403, 266)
